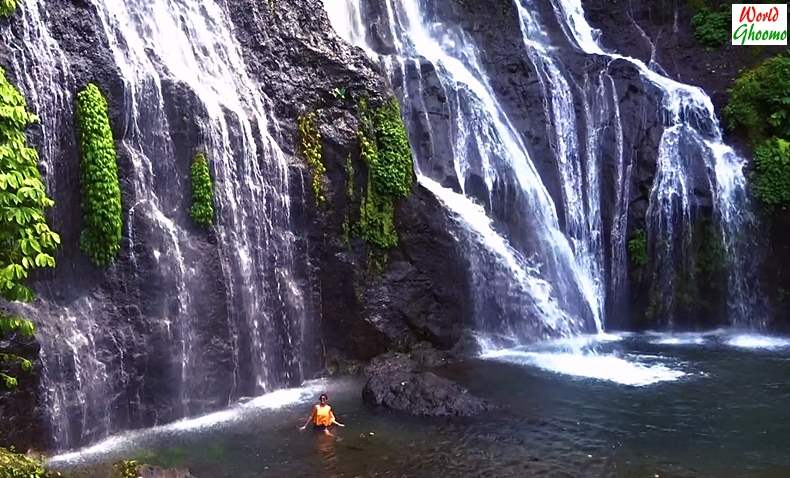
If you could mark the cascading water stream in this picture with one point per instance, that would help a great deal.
(545, 281)
(160, 47)
(691, 129)
(580, 182)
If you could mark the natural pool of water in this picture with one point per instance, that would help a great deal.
(620, 405)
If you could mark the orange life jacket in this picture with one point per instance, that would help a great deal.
(323, 415)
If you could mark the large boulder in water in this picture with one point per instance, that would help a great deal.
(395, 382)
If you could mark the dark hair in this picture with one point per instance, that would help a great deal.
(323, 395)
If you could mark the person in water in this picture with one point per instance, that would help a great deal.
(322, 416)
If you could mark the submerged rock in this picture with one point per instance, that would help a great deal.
(395, 382)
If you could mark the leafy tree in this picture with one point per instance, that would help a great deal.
(202, 210)
(712, 28)
(759, 103)
(101, 193)
(26, 241)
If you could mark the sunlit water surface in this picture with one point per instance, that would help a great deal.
(653, 404)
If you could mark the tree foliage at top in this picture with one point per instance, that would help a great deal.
(712, 27)
(101, 193)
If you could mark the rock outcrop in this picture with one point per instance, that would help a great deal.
(395, 381)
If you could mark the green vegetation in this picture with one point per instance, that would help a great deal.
(12, 363)
(202, 210)
(712, 27)
(384, 146)
(26, 241)
(7, 8)
(345, 233)
(126, 469)
(772, 172)
(15, 465)
(637, 248)
(759, 106)
(340, 94)
(759, 103)
(392, 167)
(101, 193)
(311, 150)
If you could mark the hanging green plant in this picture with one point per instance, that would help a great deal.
(384, 147)
(202, 210)
(26, 239)
(637, 248)
(101, 193)
(393, 166)
(310, 149)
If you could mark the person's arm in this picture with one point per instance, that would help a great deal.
(309, 419)
(334, 420)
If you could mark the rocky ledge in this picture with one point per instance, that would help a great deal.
(396, 381)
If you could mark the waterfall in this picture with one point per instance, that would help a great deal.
(691, 131)
(98, 358)
(551, 287)
(587, 263)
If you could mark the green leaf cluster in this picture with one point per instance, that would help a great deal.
(759, 106)
(202, 210)
(384, 146)
(26, 241)
(759, 102)
(311, 150)
(392, 167)
(126, 469)
(101, 193)
(712, 28)
(7, 7)
(771, 178)
(15, 465)
(637, 248)
(11, 363)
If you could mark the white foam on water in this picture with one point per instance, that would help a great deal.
(757, 341)
(607, 367)
(128, 441)
(681, 338)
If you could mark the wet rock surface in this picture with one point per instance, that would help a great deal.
(397, 382)
(21, 410)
